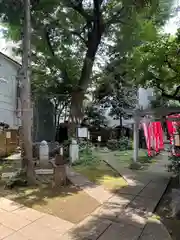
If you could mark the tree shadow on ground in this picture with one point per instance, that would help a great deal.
(123, 216)
(60, 202)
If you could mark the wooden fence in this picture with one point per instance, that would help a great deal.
(9, 141)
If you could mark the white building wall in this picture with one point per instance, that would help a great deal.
(145, 96)
(8, 91)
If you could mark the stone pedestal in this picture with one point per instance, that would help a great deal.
(44, 152)
(59, 171)
(60, 176)
(74, 151)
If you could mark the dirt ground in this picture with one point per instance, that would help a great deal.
(164, 212)
(102, 174)
(69, 203)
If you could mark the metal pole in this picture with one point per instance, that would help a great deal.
(136, 139)
(26, 93)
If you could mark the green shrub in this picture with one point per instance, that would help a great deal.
(174, 166)
(18, 180)
(84, 145)
(123, 144)
(86, 156)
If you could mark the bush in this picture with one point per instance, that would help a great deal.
(84, 145)
(86, 156)
(123, 144)
(18, 180)
(174, 166)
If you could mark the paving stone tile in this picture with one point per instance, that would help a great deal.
(13, 221)
(144, 206)
(161, 179)
(2, 211)
(55, 223)
(28, 213)
(156, 230)
(36, 231)
(130, 217)
(98, 193)
(91, 228)
(153, 190)
(4, 231)
(95, 191)
(16, 236)
(9, 205)
(120, 200)
(113, 206)
(147, 237)
(121, 232)
(132, 190)
(80, 181)
(143, 179)
(69, 236)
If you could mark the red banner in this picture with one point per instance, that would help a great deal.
(153, 133)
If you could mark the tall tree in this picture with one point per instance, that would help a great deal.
(157, 64)
(116, 95)
(70, 34)
(95, 115)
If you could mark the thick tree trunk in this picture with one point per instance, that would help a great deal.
(62, 107)
(120, 126)
(94, 40)
(27, 112)
(76, 109)
(55, 115)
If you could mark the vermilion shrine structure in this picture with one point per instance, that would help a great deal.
(151, 122)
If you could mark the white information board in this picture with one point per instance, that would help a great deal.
(82, 132)
(99, 138)
(8, 135)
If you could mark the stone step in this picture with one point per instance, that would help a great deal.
(155, 230)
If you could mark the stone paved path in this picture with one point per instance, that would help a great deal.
(96, 191)
(124, 215)
(21, 223)
(127, 215)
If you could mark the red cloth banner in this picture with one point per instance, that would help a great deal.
(146, 129)
(154, 137)
(172, 128)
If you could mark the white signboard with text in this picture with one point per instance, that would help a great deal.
(82, 132)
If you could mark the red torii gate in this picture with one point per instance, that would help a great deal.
(154, 115)
(173, 125)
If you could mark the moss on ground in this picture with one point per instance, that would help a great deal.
(102, 174)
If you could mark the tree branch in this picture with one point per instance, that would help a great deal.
(79, 8)
(169, 96)
(176, 91)
(98, 19)
(34, 4)
(47, 35)
(170, 65)
(99, 2)
(94, 39)
(80, 36)
(63, 69)
(116, 18)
